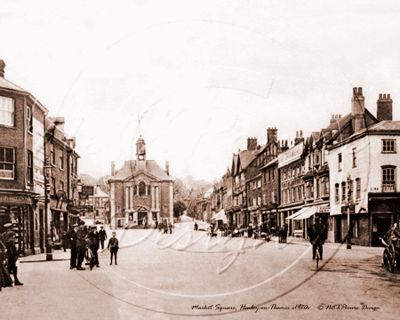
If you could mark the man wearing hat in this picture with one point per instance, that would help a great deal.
(12, 256)
(102, 236)
(81, 245)
(72, 238)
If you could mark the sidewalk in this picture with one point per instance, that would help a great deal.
(58, 255)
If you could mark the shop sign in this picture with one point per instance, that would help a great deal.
(87, 190)
(15, 199)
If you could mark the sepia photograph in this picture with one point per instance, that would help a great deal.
(186, 159)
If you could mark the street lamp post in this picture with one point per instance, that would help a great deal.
(47, 175)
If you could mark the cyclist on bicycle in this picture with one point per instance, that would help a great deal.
(317, 235)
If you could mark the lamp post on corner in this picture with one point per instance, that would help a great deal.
(47, 175)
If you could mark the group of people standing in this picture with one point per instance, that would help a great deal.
(84, 242)
(165, 227)
(8, 259)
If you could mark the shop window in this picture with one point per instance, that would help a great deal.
(388, 179)
(7, 163)
(7, 111)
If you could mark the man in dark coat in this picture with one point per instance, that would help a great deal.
(72, 239)
(12, 256)
(102, 236)
(81, 246)
(94, 246)
(317, 235)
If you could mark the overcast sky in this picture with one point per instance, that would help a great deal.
(202, 76)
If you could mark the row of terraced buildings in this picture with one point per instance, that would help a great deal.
(345, 173)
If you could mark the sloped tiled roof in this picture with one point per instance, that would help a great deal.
(246, 157)
(129, 168)
(385, 125)
(4, 83)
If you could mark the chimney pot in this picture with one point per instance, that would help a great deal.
(384, 96)
(354, 92)
(388, 96)
(360, 91)
(167, 167)
(380, 96)
(301, 133)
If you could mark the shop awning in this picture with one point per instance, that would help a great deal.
(307, 213)
(297, 214)
(220, 216)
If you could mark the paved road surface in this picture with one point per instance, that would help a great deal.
(187, 276)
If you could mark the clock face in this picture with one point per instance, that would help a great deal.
(141, 157)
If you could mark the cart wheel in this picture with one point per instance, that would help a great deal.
(392, 259)
(386, 258)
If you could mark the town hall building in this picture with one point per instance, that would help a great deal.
(141, 192)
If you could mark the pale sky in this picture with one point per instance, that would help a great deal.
(202, 75)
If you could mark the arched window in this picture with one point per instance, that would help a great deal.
(142, 189)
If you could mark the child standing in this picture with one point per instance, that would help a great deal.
(113, 247)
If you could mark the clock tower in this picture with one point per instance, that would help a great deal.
(141, 149)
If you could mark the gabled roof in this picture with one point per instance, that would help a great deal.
(246, 157)
(130, 168)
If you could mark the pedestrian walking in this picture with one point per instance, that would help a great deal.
(195, 226)
(317, 235)
(81, 246)
(102, 237)
(113, 246)
(12, 258)
(93, 247)
(170, 227)
(72, 240)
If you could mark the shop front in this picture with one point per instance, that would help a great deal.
(18, 210)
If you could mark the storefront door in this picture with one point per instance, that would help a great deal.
(380, 225)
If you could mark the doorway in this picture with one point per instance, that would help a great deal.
(380, 225)
(338, 234)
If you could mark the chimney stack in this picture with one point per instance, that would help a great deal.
(251, 144)
(358, 110)
(112, 169)
(385, 108)
(167, 167)
(272, 134)
(2, 66)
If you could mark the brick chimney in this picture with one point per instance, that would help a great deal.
(385, 108)
(358, 110)
(112, 168)
(272, 134)
(299, 137)
(2, 66)
(251, 144)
